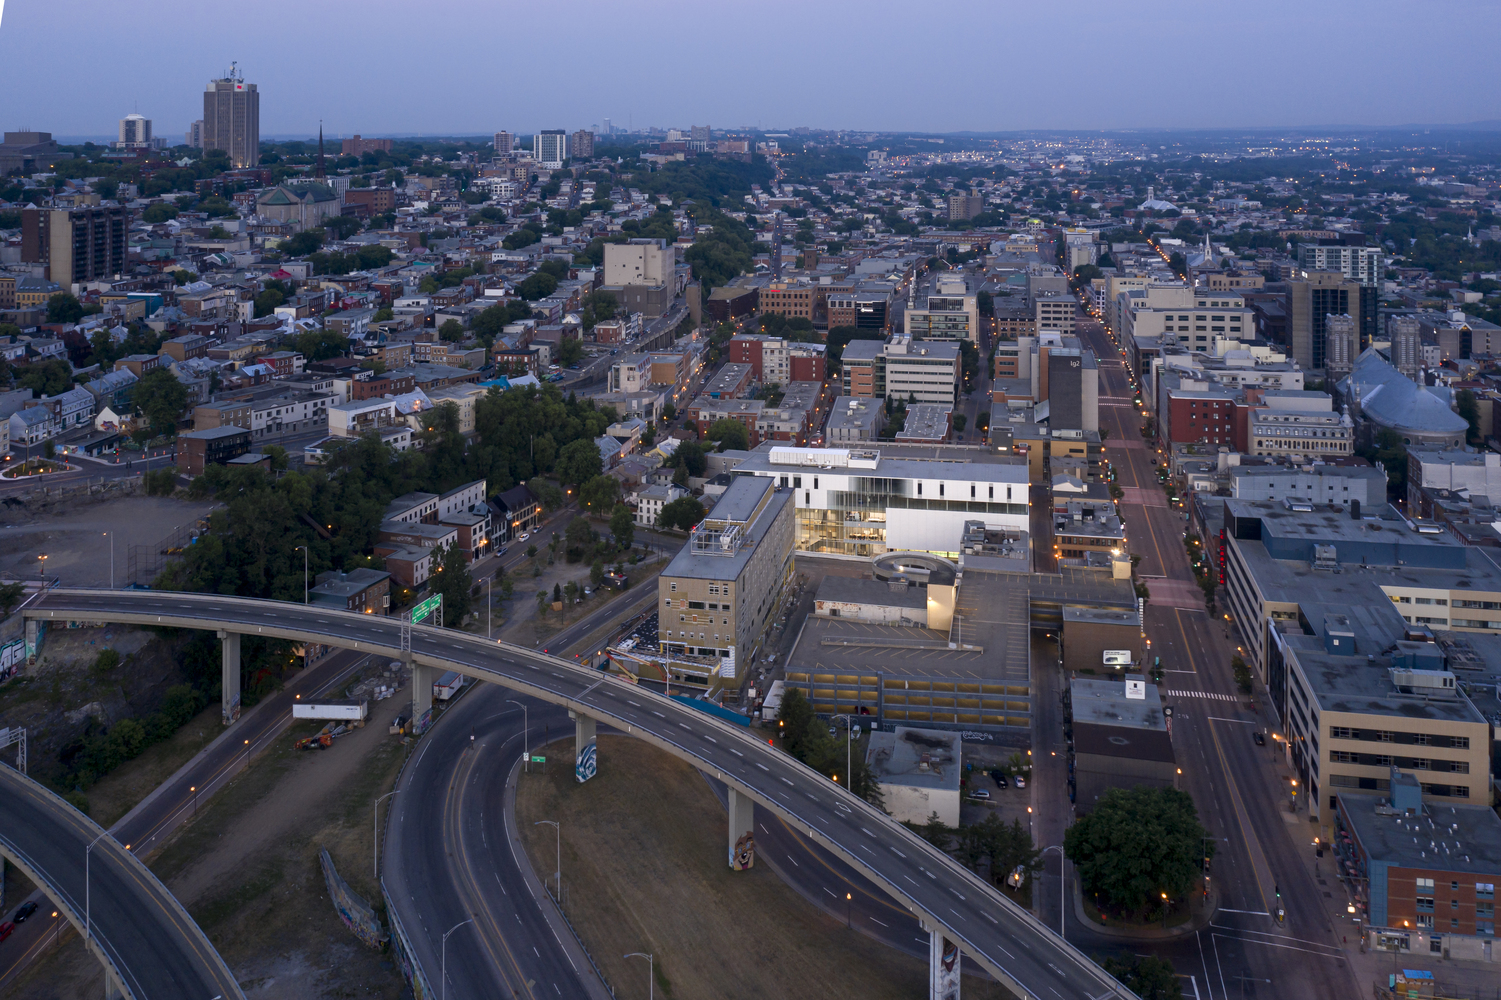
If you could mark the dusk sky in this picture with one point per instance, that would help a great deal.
(74, 67)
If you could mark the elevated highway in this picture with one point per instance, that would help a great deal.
(961, 911)
(149, 946)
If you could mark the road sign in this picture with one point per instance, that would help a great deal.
(421, 612)
(538, 760)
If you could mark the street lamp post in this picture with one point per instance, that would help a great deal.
(558, 871)
(489, 608)
(849, 738)
(375, 823)
(450, 930)
(304, 574)
(88, 909)
(526, 754)
(651, 972)
(1062, 887)
(111, 535)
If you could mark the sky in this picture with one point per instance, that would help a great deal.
(471, 67)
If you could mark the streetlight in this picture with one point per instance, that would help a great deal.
(194, 790)
(111, 535)
(651, 972)
(1164, 911)
(375, 824)
(526, 754)
(87, 900)
(848, 919)
(489, 607)
(304, 571)
(450, 930)
(42, 569)
(1062, 883)
(849, 737)
(558, 871)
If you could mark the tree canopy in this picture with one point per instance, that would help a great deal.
(1137, 844)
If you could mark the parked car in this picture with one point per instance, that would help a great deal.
(26, 910)
(6, 929)
(1259, 738)
(1021, 782)
(1000, 779)
(524, 536)
(980, 793)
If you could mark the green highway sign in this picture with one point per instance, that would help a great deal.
(539, 760)
(421, 612)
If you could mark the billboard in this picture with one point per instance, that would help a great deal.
(587, 765)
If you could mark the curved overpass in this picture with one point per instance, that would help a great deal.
(1004, 939)
(151, 949)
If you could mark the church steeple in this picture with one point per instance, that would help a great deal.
(319, 173)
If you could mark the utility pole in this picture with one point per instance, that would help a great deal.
(558, 871)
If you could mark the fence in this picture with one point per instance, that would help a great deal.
(401, 950)
(144, 562)
(127, 486)
(357, 914)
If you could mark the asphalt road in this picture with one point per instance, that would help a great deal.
(1006, 941)
(1239, 788)
(147, 937)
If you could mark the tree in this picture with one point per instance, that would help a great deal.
(623, 526)
(691, 457)
(597, 574)
(453, 582)
(578, 539)
(1147, 976)
(303, 243)
(683, 513)
(795, 720)
(599, 494)
(730, 433)
(451, 330)
(1137, 844)
(960, 422)
(48, 378)
(570, 352)
(985, 303)
(547, 492)
(159, 212)
(538, 286)
(579, 461)
(1470, 410)
(161, 397)
(64, 308)
(10, 596)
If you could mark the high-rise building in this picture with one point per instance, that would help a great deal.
(963, 207)
(1362, 264)
(1312, 297)
(701, 133)
(1406, 335)
(194, 136)
(1341, 346)
(232, 119)
(504, 143)
(581, 145)
(551, 148)
(75, 245)
(608, 129)
(135, 132)
(359, 147)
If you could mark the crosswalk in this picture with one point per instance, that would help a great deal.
(1202, 694)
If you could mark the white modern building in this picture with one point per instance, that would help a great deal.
(551, 148)
(863, 502)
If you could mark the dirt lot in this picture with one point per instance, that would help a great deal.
(522, 624)
(72, 535)
(643, 844)
(247, 869)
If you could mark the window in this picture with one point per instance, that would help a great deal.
(1341, 733)
(1485, 890)
(1381, 760)
(1422, 764)
(1459, 742)
(673, 588)
(1459, 767)
(1423, 740)
(1425, 885)
(1383, 736)
(1341, 757)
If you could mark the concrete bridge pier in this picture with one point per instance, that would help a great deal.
(943, 965)
(585, 758)
(229, 680)
(742, 831)
(422, 696)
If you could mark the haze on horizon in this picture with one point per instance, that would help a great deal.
(467, 67)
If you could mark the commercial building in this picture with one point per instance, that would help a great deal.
(551, 148)
(952, 313)
(642, 274)
(793, 299)
(1312, 298)
(1056, 312)
(1359, 264)
(76, 245)
(1477, 474)
(1423, 879)
(923, 371)
(232, 120)
(1299, 425)
(867, 600)
(853, 420)
(359, 146)
(196, 450)
(1341, 346)
(1121, 738)
(919, 771)
(720, 593)
(1361, 628)
(365, 591)
(777, 361)
(1405, 334)
(29, 152)
(926, 423)
(864, 502)
(1336, 485)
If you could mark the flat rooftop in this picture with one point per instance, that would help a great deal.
(1104, 703)
(1446, 838)
(853, 590)
(921, 758)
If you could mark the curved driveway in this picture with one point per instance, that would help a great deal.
(1005, 940)
(151, 946)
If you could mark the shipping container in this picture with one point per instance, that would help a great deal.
(331, 708)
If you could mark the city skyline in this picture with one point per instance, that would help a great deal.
(1181, 68)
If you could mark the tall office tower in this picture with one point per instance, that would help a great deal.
(504, 143)
(135, 132)
(701, 133)
(551, 148)
(75, 244)
(1362, 265)
(1341, 346)
(1312, 297)
(1406, 335)
(232, 119)
(194, 136)
(582, 145)
(609, 129)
